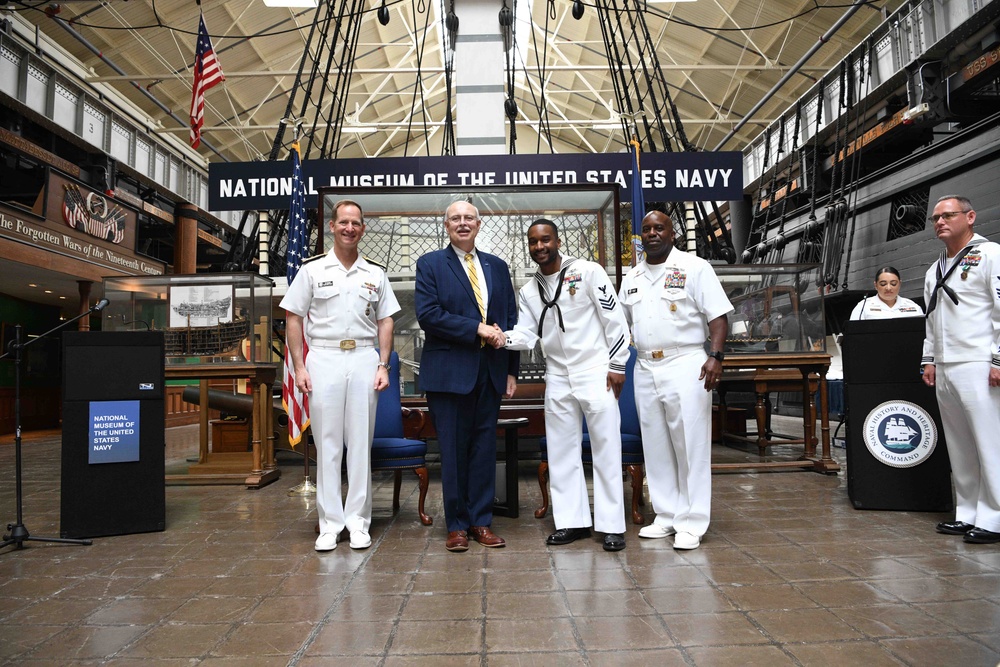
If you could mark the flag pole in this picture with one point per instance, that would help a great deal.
(307, 487)
(638, 201)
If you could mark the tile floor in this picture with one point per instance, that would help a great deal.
(789, 574)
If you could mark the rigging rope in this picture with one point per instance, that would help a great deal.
(856, 164)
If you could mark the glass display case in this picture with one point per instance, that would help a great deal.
(401, 224)
(206, 318)
(778, 308)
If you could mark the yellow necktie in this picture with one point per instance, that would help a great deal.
(474, 279)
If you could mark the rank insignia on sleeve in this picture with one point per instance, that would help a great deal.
(674, 280)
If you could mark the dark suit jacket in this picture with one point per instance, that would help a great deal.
(447, 312)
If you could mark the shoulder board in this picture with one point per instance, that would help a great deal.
(373, 262)
(313, 258)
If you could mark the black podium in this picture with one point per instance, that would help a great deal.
(896, 454)
(113, 433)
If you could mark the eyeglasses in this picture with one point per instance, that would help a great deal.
(947, 215)
(455, 219)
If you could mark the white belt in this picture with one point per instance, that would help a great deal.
(346, 344)
(671, 351)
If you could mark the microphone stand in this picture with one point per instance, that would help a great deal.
(18, 534)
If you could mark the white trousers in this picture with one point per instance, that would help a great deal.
(970, 415)
(567, 400)
(342, 413)
(675, 415)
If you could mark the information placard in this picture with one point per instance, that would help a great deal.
(114, 431)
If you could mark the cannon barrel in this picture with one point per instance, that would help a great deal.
(236, 404)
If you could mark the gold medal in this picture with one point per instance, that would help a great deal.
(965, 275)
(673, 308)
(572, 290)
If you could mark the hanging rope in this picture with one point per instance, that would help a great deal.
(418, 89)
(780, 239)
(835, 206)
(448, 142)
(856, 162)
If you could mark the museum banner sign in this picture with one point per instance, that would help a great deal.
(717, 176)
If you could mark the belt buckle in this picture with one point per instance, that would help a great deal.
(657, 354)
(348, 344)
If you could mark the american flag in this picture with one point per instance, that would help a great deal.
(207, 73)
(296, 403)
(638, 203)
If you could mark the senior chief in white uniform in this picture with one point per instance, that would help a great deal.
(673, 302)
(886, 304)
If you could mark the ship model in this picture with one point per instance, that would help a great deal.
(221, 339)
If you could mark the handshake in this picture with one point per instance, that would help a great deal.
(493, 335)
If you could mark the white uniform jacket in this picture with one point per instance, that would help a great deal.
(874, 308)
(676, 309)
(970, 329)
(337, 303)
(583, 329)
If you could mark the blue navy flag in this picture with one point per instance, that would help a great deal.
(638, 204)
(296, 403)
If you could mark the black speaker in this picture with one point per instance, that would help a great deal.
(113, 433)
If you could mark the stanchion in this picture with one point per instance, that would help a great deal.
(306, 487)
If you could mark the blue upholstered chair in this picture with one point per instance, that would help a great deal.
(390, 449)
(632, 460)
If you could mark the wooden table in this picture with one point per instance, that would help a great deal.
(782, 371)
(256, 468)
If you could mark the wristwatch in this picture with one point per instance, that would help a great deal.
(385, 364)
(718, 355)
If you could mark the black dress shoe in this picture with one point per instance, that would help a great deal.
(981, 536)
(567, 535)
(614, 542)
(954, 527)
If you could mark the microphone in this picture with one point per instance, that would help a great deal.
(100, 305)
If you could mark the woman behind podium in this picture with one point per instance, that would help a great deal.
(887, 303)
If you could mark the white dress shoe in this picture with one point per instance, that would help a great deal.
(360, 539)
(655, 531)
(326, 542)
(686, 541)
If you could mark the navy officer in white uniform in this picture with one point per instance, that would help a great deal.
(346, 306)
(886, 304)
(673, 302)
(961, 360)
(570, 306)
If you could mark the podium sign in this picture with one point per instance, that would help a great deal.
(896, 454)
(113, 433)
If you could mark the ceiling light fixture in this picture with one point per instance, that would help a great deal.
(291, 3)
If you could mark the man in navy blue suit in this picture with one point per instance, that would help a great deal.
(460, 294)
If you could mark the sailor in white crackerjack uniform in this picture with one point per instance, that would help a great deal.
(673, 302)
(346, 305)
(961, 359)
(570, 305)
